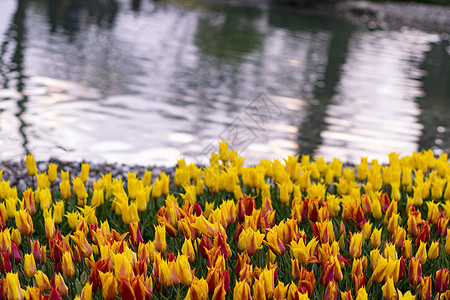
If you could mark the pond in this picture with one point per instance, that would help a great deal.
(148, 82)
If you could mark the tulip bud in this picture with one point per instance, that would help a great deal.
(389, 292)
(415, 272)
(242, 291)
(67, 265)
(42, 281)
(280, 291)
(421, 253)
(425, 288)
(13, 286)
(375, 239)
(84, 174)
(442, 280)
(355, 245)
(331, 291)
(29, 267)
(86, 293)
(52, 172)
(64, 187)
(433, 252)
(31, 165)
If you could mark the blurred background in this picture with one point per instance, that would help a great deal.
(149, 81)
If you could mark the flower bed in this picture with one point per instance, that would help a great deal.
(282, 229)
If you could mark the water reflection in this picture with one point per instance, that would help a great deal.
(435, 103)
(12, 72)
(69, 14)
(146, 82)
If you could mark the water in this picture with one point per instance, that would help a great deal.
(147, 82)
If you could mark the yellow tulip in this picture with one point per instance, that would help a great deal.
(31, 165)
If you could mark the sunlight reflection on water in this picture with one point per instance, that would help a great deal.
(169, 81)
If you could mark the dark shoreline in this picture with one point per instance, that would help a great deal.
(16, 171)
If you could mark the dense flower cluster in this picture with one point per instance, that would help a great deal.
(297, 229)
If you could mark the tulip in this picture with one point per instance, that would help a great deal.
(324, 231)
(13, 286)
(376, 209)
(389, 292)
(425, 288)
(42, 281)
(295, 270)
(5, 263)
(160, 238)
(28, 203)
(31, 165)
(82, 243)
(79, 189)
(415, 272)
(375, 239)
(49, 227)
(68, 267)
(183, 270)
(280, 291)
(86, 293)
(393, 223)
(164, 273)
(250, 241)
(199, 290)
(188, 250)
(302, 252)
(442, 225)
(245, 207)
(421, 253)
(135, 234)
(52, 172)
(140, 287)
(84, 174)
(24, 222)
(399, 236)
(423, 235)
(406, 296)
(355, 245)
(57, 282)
(362, 294)
(58, 212)
(125, 288)
(33, 293)
(306, 282)
(103, 265)
(332, 291)
(442, 276)
(64, 187)
(381, 267)
(274, 243)
(109, 285)
(29, 267)
(407, 249)
(433, 252)
(242, 291)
